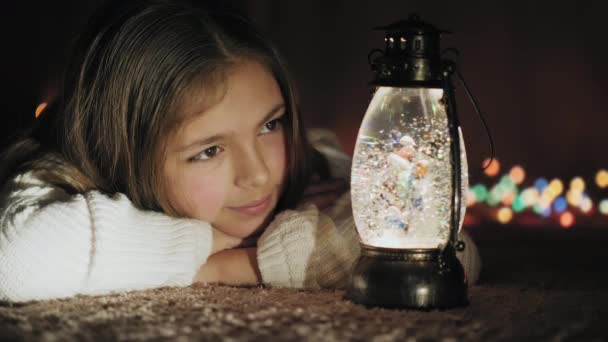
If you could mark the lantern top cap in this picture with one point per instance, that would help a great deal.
(412, 25)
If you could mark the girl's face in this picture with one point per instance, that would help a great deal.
(227, 166)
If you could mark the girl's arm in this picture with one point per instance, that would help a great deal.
(54, 245)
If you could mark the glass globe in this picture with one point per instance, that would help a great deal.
(401, 181)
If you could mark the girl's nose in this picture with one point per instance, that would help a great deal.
(251, 169)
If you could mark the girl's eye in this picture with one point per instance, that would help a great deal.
(272, 125)
(208, 154)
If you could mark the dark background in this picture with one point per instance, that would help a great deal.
(536, 68)
(538, 71)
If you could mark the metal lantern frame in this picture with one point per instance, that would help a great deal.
(415, 278)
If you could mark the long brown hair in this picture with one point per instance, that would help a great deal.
(131, 67)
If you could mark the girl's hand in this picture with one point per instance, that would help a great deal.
(324, 194)
(238, 266)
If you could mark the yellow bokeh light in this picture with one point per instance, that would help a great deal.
(40, 109)
(530, 196)
(601, 179)
(574, 198)
(517, 174)
(577, 184)
(493, 169)
(566, 219)
(504, 215)
(555, 187)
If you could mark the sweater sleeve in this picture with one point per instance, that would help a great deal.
(55, 245)
(308, 248)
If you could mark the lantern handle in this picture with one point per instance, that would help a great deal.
(483, 120)
(451, 68)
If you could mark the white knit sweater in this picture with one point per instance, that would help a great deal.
(55, 245)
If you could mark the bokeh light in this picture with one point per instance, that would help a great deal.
(471, 198)
(495, 196)
(567, 204)
(601, 179)
(506, 182)
(493, 169)
(530, 196)
(586, 205)
(540, 184)
(41, 107)
(560, 205)
(480, 191)
(518, 205)
(545, 200)
(566, 219)
(603, 207)
(542, 211)
(555, 187)
(574, 198)
(517, 174)
(508, 198)
(504, 215)
(577, 184)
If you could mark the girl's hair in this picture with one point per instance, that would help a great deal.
(132, 67)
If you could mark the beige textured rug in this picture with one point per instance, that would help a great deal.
(537, 284)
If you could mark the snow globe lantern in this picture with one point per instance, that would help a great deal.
(408, 178)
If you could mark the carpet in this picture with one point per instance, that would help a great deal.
(546, 284)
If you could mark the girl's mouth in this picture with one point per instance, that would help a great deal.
(255, 208)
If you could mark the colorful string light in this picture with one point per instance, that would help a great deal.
(493, 169)
(471, 198)
(495, 195)
(517, 174)
(574, 198)
(586, 205)
(540, 184)
(480, 191)
(518, 205)
(551, 200)
(566, 219)
(577, 184)
(40, 108)
(560, 205)
(530, 196)
(508, 198)
(504, 215)
(603, 206)
(601, 179)
(555, 188)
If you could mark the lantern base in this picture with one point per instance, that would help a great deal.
(422, 279)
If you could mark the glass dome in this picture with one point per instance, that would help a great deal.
(401, 181)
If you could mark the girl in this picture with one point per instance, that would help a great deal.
(174, 155)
